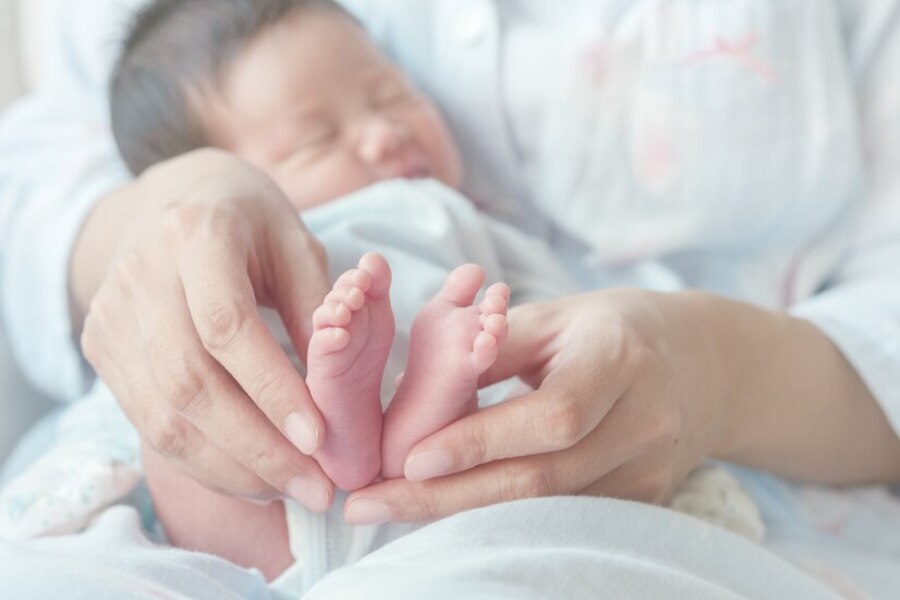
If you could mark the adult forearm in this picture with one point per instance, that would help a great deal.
(795, 405)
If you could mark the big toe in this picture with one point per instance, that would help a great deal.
(378, 268)
(462, 285)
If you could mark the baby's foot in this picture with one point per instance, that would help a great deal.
(452, 342)
(353, 332)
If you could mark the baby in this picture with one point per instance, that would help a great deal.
(296, 88)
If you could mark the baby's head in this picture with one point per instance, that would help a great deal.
(294, 87)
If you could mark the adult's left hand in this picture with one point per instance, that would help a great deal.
(629, 396)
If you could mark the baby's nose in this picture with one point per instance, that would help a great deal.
(381, 140)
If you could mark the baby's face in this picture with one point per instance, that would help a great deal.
(314, 103)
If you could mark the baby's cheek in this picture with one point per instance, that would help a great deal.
(321, 182)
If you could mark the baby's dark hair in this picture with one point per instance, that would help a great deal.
(176, 51)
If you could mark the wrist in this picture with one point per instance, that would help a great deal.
(720, 357)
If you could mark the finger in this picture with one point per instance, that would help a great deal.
(603, 463)
(527, 348)
(570, 404)
(174, 438)
(223, 310)
(401, 500)
(298, 282)
(219, 411)
(197, 388)
(142, 402)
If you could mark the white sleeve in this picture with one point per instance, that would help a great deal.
(58, 158)
(860, 308)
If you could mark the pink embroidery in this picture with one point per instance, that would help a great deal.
(741, 50)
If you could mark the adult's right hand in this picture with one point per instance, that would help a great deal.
(174, 330)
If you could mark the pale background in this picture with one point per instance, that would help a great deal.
(20, 40)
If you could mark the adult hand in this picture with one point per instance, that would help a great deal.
(626, 403)
(175, 332)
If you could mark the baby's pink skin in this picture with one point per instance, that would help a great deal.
(353, 332)
(452, 342)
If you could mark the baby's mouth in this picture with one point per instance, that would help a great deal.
(417, 173)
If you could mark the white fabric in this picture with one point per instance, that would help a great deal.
(569, 548)
(92, 462)
(544, 548)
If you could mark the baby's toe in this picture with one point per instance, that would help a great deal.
(331, 315)
(495, 325)
(353, 298)
(462, 285)
(496, 299)
(380, 274)
(329, 340)
(354, 278)
(484, 351)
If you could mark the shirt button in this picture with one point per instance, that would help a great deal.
(473, 23)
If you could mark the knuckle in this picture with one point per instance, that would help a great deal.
(167, 436)
(530, 481)
(185, 389)
(179, 221)
(479, 447)
(269, 387)
(223, 222)
(219, 325)
(127, 272)
(563, 423)
(476, 448)
(636, 352)
(262, 459)
(424, 506)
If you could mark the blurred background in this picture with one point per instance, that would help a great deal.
(20, 42)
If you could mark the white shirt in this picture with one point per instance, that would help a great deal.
(748, 145)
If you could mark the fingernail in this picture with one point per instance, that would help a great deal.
(426, 464)
(309, 493)
(302, 432)
(367, 512)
